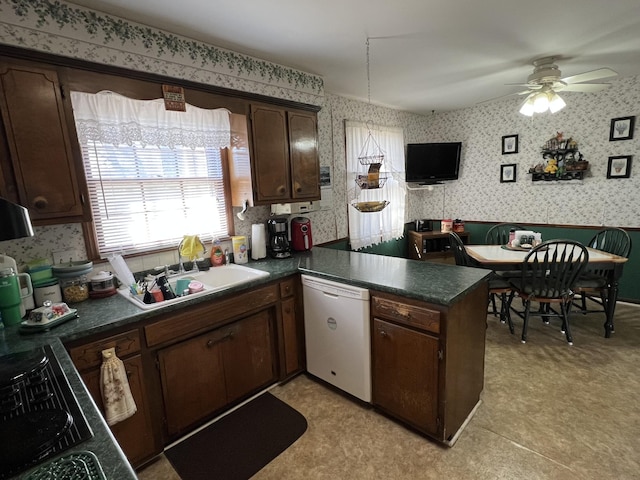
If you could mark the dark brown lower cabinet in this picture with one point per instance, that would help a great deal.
(202, 375)
(135, 434)
(428, 360)
(406, 372)
(294, 358)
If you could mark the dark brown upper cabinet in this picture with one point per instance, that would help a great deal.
(285, 160)
(44, 176)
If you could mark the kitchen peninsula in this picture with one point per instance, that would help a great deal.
(441, 305)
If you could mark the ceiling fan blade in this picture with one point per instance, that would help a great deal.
(501, 97)
(589, 76)
(584, 87)
(531, 86)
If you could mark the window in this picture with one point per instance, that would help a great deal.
(370, 228)
(153, 175)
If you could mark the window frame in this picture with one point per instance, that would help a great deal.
(89, 231)
(140, 89)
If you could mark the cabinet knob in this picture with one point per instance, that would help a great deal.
(40, 202)
(281, 189)
(297, 187)
(383, 333)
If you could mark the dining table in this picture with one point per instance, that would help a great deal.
(503, 257)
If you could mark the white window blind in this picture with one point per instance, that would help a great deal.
(153, 175)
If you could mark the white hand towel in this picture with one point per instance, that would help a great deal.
(114, 386)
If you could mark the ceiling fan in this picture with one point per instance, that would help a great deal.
(546, 81)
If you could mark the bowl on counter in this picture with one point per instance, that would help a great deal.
(72, 269)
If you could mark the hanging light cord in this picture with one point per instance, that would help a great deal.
(368, 74)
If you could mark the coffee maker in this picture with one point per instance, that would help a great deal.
(278, 238)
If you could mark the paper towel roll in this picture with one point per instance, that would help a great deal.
(258, 241)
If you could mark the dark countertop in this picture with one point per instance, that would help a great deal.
(430, 282)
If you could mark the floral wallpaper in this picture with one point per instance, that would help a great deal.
(65, 29)
(479, 195)
(68, 30)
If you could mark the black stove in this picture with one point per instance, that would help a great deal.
(39, 414)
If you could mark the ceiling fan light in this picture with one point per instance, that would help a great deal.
(541, 102)
(557, 103)
(527, 107)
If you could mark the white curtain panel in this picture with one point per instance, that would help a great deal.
(370, 228)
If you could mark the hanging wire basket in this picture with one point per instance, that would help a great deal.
(371, 151)
(367, 182)
(369, 207)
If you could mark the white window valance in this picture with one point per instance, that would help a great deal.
(108, 117)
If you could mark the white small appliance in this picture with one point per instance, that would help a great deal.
(337, 335)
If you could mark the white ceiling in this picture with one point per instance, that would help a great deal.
(425, 55)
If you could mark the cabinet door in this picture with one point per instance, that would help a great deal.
(292, 328)
(134, 434)
(405, 374)
(192, 380)
(303, 148)
(248, 353)
(270, 159)
(39, 143)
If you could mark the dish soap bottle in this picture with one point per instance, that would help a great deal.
(217, 255)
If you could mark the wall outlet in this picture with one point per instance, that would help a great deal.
(63, 256)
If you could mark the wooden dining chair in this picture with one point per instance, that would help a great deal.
(548, 275)
(499, 234)
(497, 285)
(594, 284)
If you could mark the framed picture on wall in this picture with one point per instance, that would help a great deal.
(509, 144)
(619, 167)
(508, 173)
(621, 128)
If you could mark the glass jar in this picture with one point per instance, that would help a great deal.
(75, 289)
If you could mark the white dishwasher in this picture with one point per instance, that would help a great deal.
(337, 334)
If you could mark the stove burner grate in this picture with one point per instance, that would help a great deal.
(39, 385)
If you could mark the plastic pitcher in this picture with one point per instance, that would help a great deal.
(10, 296)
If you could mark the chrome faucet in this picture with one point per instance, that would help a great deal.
(180, 264)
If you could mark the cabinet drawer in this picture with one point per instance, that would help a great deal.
(411, 315)
(90, 355)
(287, 288)
(205, 316)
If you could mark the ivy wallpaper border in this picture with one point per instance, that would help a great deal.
(46, 14)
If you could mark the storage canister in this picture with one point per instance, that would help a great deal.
(102, 285)
(446, 225)
(75, 289)
(46, 290)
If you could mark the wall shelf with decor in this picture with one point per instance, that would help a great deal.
(562, 161)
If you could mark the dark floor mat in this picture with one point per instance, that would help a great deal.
(240, 444)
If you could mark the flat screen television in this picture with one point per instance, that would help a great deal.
(429, 163)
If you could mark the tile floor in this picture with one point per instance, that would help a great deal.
(549, 411)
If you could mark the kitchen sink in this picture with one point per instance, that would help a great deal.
(213, 280)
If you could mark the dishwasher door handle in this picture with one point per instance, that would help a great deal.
(332, 295)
